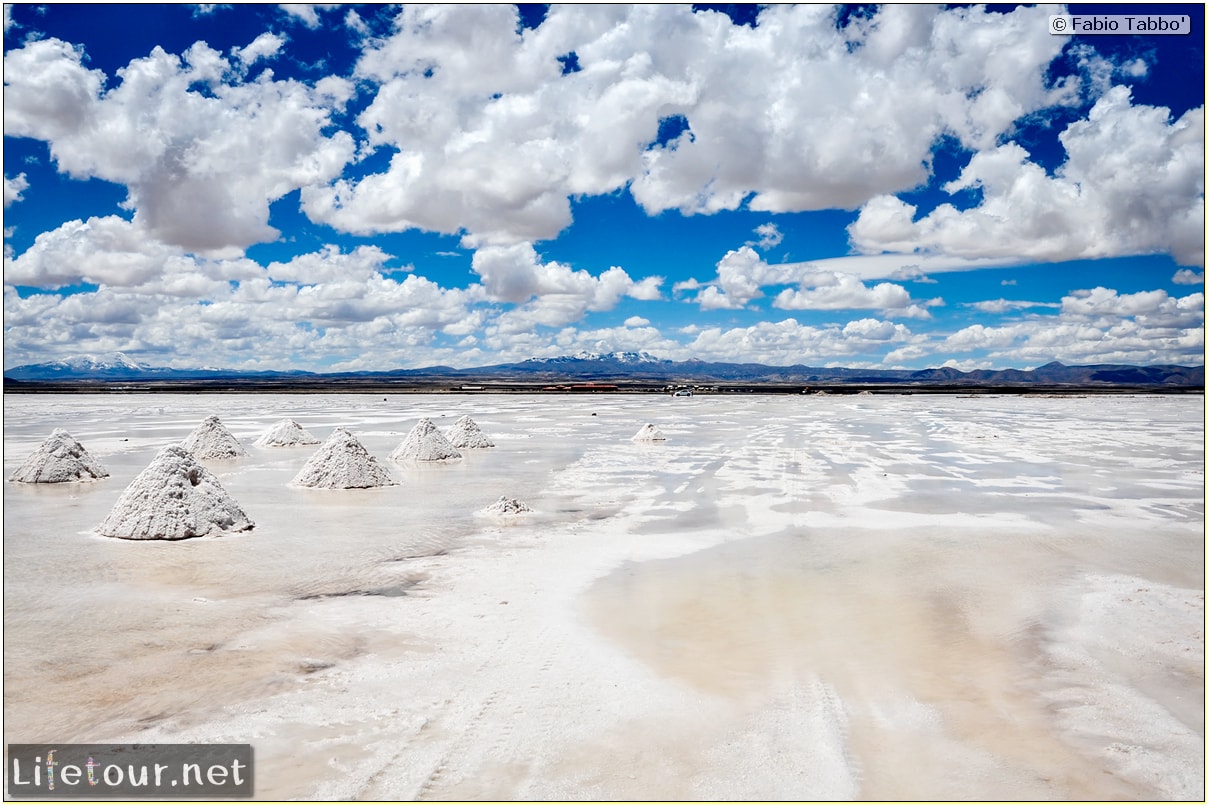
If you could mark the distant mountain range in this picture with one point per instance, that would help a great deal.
(119, 367)
(630, 366)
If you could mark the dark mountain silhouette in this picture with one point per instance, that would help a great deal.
(631, 366)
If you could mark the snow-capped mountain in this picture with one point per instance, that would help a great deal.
(618, 357)
(92, 363)
(117, 367)
(608, 367)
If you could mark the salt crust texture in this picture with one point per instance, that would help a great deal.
(212, 440)
(174, 498)
(284, 434)
(507, 506)
(425, 443)
(59, 459)
(466, 433)
(648, 433)
(342, 463)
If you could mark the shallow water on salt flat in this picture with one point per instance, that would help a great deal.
(136, 619)
(902, 549)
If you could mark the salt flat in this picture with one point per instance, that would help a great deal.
(816, 597)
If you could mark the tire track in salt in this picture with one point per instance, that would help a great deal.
(463, 738)
(467, 736)
(493, 754)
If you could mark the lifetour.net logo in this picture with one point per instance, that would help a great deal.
(162, 771)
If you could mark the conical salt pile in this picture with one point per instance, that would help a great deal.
(507, 506)
(425, 444)
(342, 463)
(648, 433)
(286, 433)
(467, 434)
(58, 459)
(173, 498)
(212, 440)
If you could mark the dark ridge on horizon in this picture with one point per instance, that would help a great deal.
(630, 367)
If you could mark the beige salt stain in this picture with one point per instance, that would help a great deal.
(935, 655)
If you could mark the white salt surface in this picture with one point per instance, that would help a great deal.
(798, 597)
(467, 434)
(59, 459)
(211, 440)
(285, 434)
(174, 498)
(425, 443)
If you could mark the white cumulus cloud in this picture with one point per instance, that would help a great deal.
(1096, 325)
(1005, 305)
(490, 139)
(200, 169)
(770, 236)
(264, 46)
(516, 274)
(1133, 183)
(742, 276)
(13, 188)
(790, 342)
(106, 251)
(307, 13)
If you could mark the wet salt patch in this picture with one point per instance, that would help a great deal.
(904, 713)
(426, 544)
(1123, 631)
(1190, 485)
(554, 431)
(963, 458)
(1191, 510)
(941, 757)
(671, 506)
(355, 581)
(1035, 483)
(339, 724)
(877, 520)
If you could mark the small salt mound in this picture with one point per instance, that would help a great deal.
(175, 497)
(467, 434)
(285, 434)
(58, 459)
(342, 463)
(212, 440)
(507, 506)
(648, 433)
(425, 443)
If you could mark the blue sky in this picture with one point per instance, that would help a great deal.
(334, 187)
